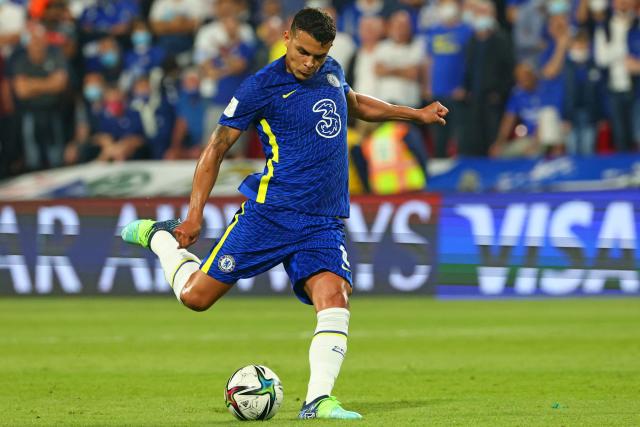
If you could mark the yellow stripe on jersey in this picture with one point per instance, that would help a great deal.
(207, 265)
(275, 157)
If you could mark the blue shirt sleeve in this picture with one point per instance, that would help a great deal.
(246, 104)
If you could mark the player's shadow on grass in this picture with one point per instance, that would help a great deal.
(397, 405)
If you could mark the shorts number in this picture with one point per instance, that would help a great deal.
(330, 124)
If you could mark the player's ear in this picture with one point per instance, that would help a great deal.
(287, 37)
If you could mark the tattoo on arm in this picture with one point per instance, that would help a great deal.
(223, 138)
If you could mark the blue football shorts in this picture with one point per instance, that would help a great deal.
(260, 237)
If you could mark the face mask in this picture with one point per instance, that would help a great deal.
(579, 56)
(557, 7)
(483, 23)
(447, 12)
(141, 38)
(598, 5)
(25, 38)
(93, 93)
(468, 17)
(109, 58)
(114, 108)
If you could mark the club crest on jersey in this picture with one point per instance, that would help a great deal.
(226, 263)
(333, 80)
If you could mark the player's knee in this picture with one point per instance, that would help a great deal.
(333, 297)
(195, 301)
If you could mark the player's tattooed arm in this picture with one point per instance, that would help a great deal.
(371, 109)
(204, 178)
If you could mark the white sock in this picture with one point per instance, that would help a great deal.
(178, 264)
(327, 351)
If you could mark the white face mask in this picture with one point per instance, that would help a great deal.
(579, 56)
(598, 5)
(448, 12)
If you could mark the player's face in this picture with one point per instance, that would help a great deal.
(305, 55)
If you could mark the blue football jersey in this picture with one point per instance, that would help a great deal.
(303, 129)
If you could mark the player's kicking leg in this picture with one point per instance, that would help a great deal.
(192, 287)
(330, 295)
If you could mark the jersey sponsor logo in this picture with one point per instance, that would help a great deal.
(231, 108)
(330, 124)
(226, 263)
(333, 80)
(286, 95)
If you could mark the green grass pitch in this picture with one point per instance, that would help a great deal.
(411, 361)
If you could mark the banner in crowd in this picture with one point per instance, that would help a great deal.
(539, 244)
(545, 244)
(74, 246)
(559, 174)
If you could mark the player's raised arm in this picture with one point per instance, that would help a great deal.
(222, 138)
(371, 109)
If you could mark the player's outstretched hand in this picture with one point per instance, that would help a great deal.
(434, 113)
(187, 233)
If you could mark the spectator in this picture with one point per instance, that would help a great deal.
(109, 18)
(398, 62)
(445, 48)
(349, 19)
(88, 110)
(12, 24)
(359, 73)
(552, 61)
(104, 57)
(8, 144)
(191, 130)
(531, 104)
(211, 38)
(633, 65)
(174, 22)
(61, 30)
(270, 44)
(582, 90)
(343, 47)
(487, 82)
(119, 134)
(143, 57)
(40, 78)
(224, 73)
(528, 20)
(611, 50)
(156, 114)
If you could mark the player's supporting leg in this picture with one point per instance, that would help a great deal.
(192, 287)
(330, 296)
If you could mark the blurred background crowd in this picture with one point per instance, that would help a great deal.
(86, 80)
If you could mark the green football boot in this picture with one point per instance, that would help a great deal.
(141, 231)
(328, 408)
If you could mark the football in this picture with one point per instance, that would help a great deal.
(253, 392)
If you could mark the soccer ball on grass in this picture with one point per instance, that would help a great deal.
(253, 392)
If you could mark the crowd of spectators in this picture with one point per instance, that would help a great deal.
(111, 80)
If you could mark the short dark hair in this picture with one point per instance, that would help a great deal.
(315, 22)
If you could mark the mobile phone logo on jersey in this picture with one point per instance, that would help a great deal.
(330, 124)
(226, 263)
(333, 80)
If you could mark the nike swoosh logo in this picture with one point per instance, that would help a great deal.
(286, 95)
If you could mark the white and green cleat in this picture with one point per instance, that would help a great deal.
(141, 231)
(328, 408)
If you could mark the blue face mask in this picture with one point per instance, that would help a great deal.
(109, 58)
(93, 93)
(483, 23)
(25, 38)
(557, 7)
(140, 38)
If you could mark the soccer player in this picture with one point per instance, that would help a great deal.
(294, 210)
